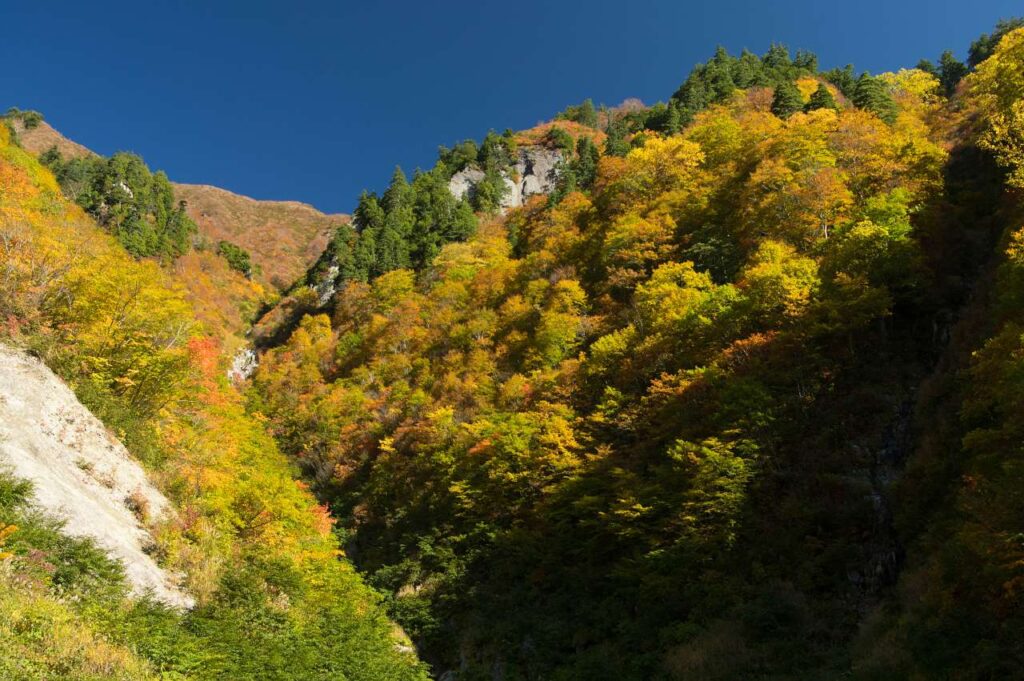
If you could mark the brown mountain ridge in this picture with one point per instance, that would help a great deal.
(283, 237)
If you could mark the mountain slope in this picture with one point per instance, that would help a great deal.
(42, 136)
(655, 425)
(729, 390)
(283, 237)
(274, 596)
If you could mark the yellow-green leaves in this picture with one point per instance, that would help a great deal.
(5, 533)
(778, 281)
(663, 165)
(998, 85)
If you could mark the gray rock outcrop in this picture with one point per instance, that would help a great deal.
(535, 172)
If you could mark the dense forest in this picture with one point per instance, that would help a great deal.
(698, 413)
(255, 549)
(739, 398)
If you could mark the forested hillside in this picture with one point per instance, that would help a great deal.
(274, 599)
(234, 254)
(698, 413)
(732, 392)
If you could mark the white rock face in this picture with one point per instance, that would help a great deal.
(80, 473)
(462, 182)
(244, 363)
(536, 172)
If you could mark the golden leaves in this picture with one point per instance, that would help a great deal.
(5, 533)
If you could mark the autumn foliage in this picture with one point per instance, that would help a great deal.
(577, 426)
(255, 549)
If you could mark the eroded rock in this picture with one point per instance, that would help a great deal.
(80, 473)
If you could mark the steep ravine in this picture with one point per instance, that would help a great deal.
(906, 482)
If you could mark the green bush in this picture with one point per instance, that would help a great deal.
(238, 258)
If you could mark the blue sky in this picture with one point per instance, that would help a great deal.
(315, 101)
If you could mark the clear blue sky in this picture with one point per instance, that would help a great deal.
(315, 101)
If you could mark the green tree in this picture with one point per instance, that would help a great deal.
(584, 113)
(719, 75)
(495, 151)
(238, 258)
(748, 70)
(135, 205)
(674, 118)
(31, 119)
(587, 114)
(615, 144)
(344, 252)
(490, 191)
(951, 71)
(464, 154)
(778, 63)
(806, 61)
(843, 79)
(787, 100)
(821, 99)
(927, 66)
(985, 45)
(560, 139)
(369, 214)
(587, 157)
(870, 95)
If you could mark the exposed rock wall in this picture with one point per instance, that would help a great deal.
(243, 365)
(535, 172)
(80, 472)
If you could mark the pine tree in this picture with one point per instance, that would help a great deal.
(842, 79)
(777, 57)
(694, 95)
(719, 75)
(748, 70)
(927, 66)
(951, 71)
(821, 99)
(674, 118)
(585, 165)
(494, 152)
(368, 213)
(777, 64)
(982, 48)
(806, 61)
(787, 100)
(870, 95)
(587, 114)
(615, 144)
(398, 195)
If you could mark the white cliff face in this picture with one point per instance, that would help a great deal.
(535, 172)
(462, 182)
(79, 471)
(244, 363)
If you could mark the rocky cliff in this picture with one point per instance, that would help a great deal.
(535, 172)
(80, 473)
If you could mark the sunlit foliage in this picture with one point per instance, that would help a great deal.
(274, 598)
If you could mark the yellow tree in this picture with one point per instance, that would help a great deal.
(778, 281)
(998, 87)
(635, 245)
